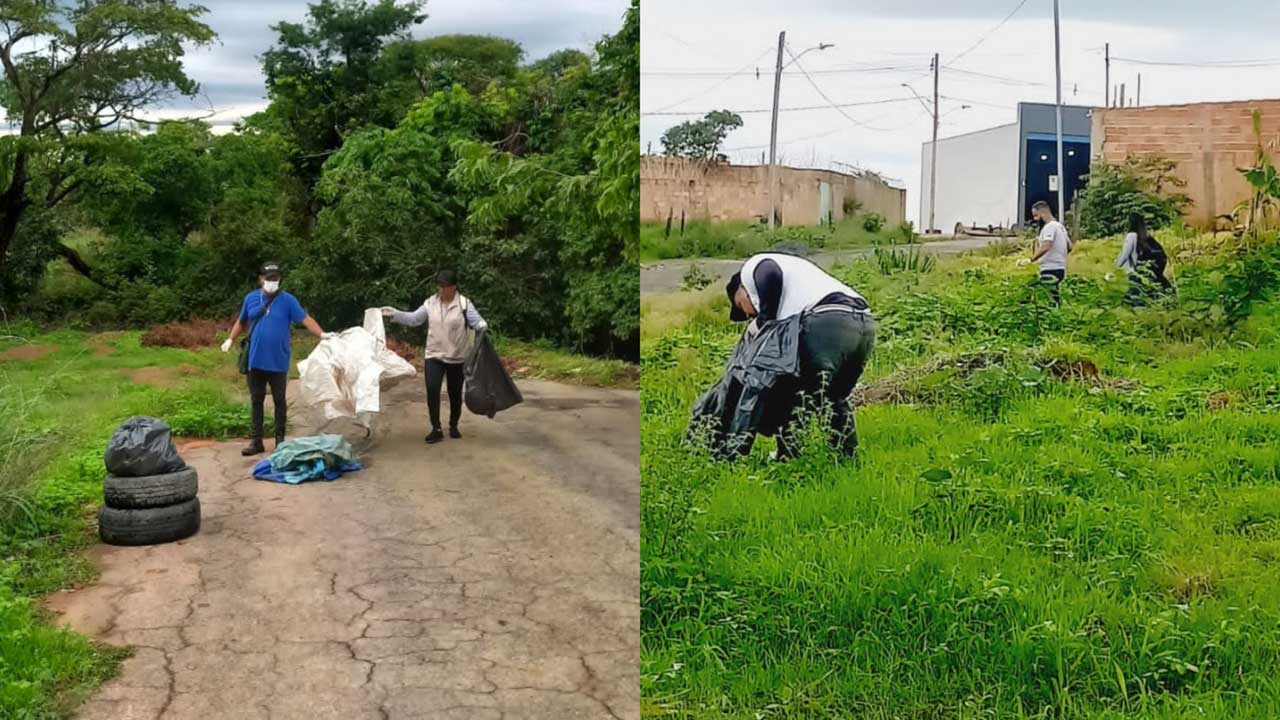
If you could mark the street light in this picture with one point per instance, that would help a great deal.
(923, 102)
(773, 130)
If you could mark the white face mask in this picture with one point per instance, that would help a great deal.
(270, 286)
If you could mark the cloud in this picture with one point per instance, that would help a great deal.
(230, 71)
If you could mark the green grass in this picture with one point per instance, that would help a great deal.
(544, 361)
(56, 414)
(1012, 541)
(737, 239)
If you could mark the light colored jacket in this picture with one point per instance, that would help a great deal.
(1128, 259)
(447, 326)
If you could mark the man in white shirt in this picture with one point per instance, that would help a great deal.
(1051, 250)
(837, 333)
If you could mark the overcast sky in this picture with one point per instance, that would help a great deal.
(231, 75)
(691, 50)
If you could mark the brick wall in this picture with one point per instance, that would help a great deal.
(740, 192)
(1209, 141)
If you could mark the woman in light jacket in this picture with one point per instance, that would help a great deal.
(1143, 260)
(448, 315)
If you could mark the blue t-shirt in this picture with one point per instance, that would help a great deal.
(269, 344)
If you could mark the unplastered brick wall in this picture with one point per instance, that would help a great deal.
(1209, 141)
(720, 191)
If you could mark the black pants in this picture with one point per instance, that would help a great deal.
(258, 382)
(437, 371)
(1052, 280)
(834, 348)
(1146, 282)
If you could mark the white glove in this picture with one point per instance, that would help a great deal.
(1023, 262)
(388, 311)
(226, 345)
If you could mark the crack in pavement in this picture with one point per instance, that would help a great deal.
(484, 578)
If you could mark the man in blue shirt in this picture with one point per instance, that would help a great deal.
(270, 315)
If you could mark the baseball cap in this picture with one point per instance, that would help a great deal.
(270, 269)
(731, 289)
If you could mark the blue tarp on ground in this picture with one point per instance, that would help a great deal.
(318, 457)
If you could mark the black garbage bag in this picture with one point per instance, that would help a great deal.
(756, 389)
(142, 446)
(487, 389)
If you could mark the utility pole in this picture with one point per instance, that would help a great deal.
(1057, 62)
(933, 163)
(1139, 100)
(773, 132)
(1121, 94)
(1107, 53)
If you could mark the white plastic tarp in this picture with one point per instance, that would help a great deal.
(346, 374)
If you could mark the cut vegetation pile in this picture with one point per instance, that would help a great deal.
(187, 335)
(1054, 514)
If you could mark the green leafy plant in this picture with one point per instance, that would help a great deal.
(1147, 185)
(695, 278)
(1260, 209)
(873, 222)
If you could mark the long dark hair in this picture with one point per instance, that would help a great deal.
(1138, 226)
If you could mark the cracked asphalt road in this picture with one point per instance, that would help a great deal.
(495, 576)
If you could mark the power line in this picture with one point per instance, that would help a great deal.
(986, 35)
(1003, 79)
(696, 74)
(722, 81)
(831, 102)
(1269, 62)
(790, 109)
(971, 101)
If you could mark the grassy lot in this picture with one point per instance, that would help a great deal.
(1054, 514)
(62, 394)
(733, 239)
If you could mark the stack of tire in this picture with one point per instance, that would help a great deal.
(149, 493)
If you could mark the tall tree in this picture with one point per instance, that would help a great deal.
(324, 77)
(437, 63)
(700, 139)
(585, 189)
(71, 70)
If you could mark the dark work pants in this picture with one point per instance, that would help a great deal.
(1052, 281)
(834, 348)
(258, 382)
(436, 371)
(1145, 283)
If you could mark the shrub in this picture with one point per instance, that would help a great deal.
(1145, 185)
(873, 222)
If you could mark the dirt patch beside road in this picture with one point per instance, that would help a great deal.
(28, 352)
(495, 576)
(165, 376)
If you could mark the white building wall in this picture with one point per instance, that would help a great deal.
(977, 179)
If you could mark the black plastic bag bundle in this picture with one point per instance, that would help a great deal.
(488, 388)
(142, 446)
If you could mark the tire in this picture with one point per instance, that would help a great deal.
(150, 491)
(149, 526)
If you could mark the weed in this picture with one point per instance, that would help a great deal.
(1053, 513)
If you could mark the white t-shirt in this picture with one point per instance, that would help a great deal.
(804, 284)
(1055, 235)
